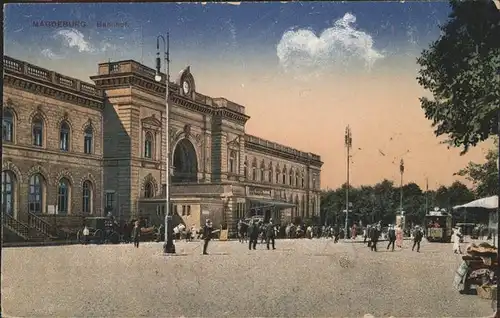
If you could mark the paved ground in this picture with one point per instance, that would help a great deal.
(301, 278)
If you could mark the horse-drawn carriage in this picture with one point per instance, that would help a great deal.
(101, 230)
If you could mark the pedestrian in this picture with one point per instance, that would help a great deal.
(457, 235)
(354, 232)
(399, 236)
(417, 238)
(86, 233)
(392, 237)
(253, 234)
(136, 233)
(270, 234)
(374, 238)
(207, 235)
(365, 235)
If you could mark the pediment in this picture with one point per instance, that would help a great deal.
(152, 120)
(234, 144)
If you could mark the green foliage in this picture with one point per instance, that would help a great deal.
(381, 202)
(484, 176)
(461, 70)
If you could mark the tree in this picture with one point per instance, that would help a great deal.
(461, 70)
(484, 176)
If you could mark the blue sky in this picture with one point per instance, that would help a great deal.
(249, 29)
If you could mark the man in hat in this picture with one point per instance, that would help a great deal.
(375, 234)
(253, 234)
(270, 234)
(417, 238)
(207, 235)
(392, 237)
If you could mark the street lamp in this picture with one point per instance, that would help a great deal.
(348, 145)
(401, 170)
(168, 246)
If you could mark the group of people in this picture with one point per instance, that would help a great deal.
(268, 231)
(372, 233)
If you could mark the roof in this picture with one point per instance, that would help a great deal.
(490, 203)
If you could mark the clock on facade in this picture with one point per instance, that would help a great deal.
(185, 87)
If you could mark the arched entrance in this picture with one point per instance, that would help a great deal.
(185, 162)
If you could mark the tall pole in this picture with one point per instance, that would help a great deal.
(401, 170)
(348, 145)
(426, 195)
(168, 246)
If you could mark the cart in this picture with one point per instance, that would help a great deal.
(476, 270)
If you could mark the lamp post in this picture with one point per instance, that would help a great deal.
(401, 170)
(348, 145)
(168, 246)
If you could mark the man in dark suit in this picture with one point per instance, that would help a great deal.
(270, 234)
(417, 238)
(375, 234)
(253, 235)
(207, 235)
(392, 237)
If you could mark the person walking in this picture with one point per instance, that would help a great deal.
(457, 235)
(391, 237)
(399, 236)
(207, 235)
(253, 235)
(270, 234)
(136, 234)
(417, 238)
(365, 235)
(375, 234)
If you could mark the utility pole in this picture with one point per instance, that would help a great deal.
(348, 145)
(169, 246)
(401, 170)
(426, 195)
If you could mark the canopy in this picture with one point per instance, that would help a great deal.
(486, 203)
(271, 203)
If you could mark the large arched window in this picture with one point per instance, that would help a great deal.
(232, 161)
(35, 194)
(87, 197)
(64, 136)
(148, 190)
(63, 198)
(270, 173)
(8, 126)
(37, 131)
(148, 146)
(8, 192)
(88, 140)
(262, 174)
(283, 176)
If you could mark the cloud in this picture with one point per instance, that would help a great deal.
(338, 46)
(48, 53)
(74, 39)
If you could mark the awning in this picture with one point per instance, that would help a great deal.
(271, 203)
(485, 203)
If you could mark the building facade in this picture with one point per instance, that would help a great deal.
(217, 170)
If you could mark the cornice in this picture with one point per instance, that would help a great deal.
(158, 89)
(40, 87)
(281, 154)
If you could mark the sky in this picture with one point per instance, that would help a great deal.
(303, 70)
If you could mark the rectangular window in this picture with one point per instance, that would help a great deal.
(7, 130)
(188, 210)
(110, 201)
(37, 137)
(64, 141)
(183, 210)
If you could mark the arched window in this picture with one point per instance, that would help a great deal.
(297, 179)
(8, 126)
(313, 206)
(302, 180)
(87, 197)
(232, 161)
(88, 139)
(314, 183)
(64, 137)
(262, 174)
(283, 176)
(148, 190)
(270, 173)
(148, 146)
(8, 188)
(35, 195)
(63, 196)
(245, 167)
(37, 132)
(278, 174)
(290, 178)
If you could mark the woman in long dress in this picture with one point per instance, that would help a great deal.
(399, 237)
(456, 241)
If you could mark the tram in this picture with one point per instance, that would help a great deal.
(438, 226)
